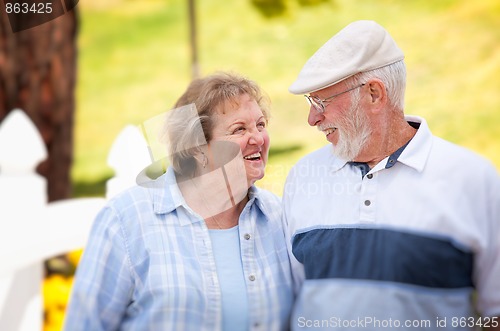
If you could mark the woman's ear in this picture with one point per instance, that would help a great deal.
(201, 159)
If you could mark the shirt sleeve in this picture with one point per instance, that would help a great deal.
(298, 273)
(103, 284)
(488, 261)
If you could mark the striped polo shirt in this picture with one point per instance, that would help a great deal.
(403, 246)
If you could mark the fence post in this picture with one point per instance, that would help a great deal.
(128, 156)
(23, 198)
(32, 230)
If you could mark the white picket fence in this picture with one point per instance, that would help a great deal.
(32, 230)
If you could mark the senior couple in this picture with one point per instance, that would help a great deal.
(410, 240)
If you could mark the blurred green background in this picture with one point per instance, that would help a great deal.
(134, 62)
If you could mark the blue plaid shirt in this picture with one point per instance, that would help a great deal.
(149, 265)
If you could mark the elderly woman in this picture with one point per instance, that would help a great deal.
(200, 248)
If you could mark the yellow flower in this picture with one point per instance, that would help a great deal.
(56, 292)
(74, 256)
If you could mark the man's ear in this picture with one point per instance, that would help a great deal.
(378, 93)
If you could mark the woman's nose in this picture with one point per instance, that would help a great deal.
(257, 138)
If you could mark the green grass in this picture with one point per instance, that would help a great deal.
(134, 62)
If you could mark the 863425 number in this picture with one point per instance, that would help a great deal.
(484, 322)
(25, 8)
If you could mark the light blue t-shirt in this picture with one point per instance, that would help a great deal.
(226, 247)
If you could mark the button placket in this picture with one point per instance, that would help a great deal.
(256, 294)
(247, 246)
(367, 198)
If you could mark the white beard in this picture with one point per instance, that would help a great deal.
(354, 131)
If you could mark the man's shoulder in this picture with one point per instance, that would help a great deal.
(318, 156)
(458, 156)
(461, 164)
(313, 165)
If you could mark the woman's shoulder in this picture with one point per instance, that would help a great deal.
(138, 200)
(130, 197)
(143, 190)
(266, 196)
(268, 202)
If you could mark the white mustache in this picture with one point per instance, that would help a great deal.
(323, 127)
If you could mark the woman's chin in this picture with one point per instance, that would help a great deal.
(255, 176)
(255, 171)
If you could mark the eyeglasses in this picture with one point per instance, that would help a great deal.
(319, 104)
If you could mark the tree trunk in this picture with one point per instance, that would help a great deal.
(193, 40)
(38, 75)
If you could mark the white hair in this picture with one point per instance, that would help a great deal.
(394, 78)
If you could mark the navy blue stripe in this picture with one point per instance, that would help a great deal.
(381, 254)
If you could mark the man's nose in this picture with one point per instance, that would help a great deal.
(314, 116)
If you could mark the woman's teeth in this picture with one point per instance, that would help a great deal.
(252, 157)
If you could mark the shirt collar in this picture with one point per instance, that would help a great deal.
(414, 154)
(336, 162)
(167, 196)
(417, 152)
(165, 193)
(256, 196)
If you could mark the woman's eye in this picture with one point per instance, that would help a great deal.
(239, 130)
(261, 125)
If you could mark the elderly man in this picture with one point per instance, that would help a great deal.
(390, 226)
